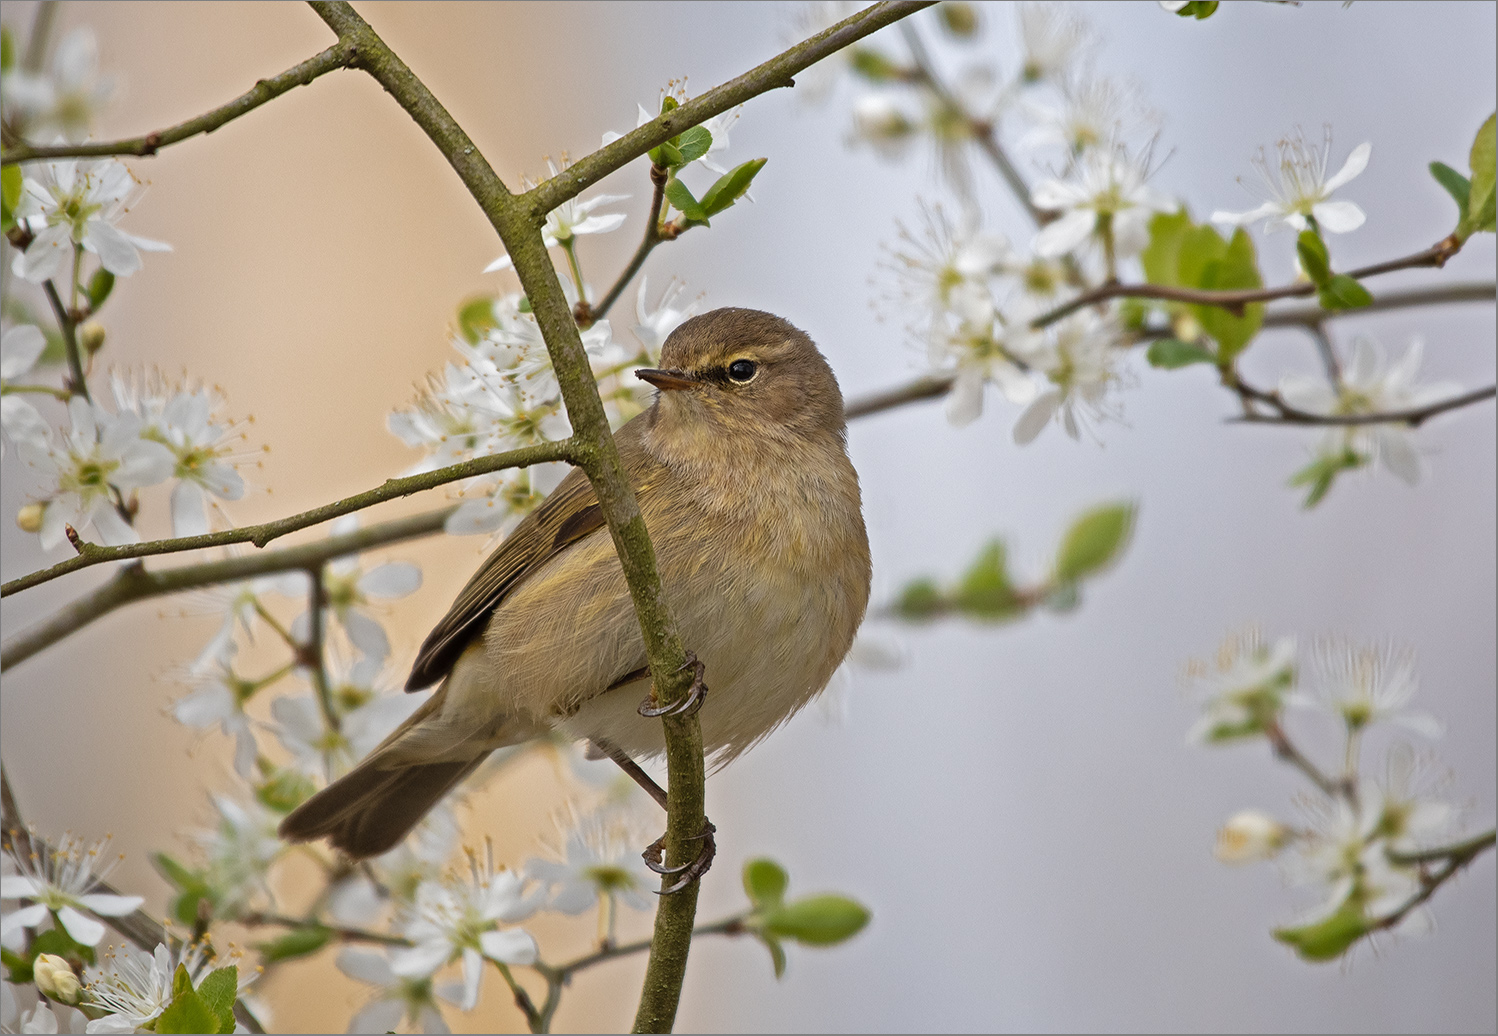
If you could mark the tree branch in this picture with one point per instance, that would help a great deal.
(652, 238)
(133, 583)
(773, 74)
(1287, 414)
(138, 926)
(90, 554)
(1453, 857)
(1234, 301)
(1285, 749)
(335, 57)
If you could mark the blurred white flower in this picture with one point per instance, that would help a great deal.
(884, 124)
(101, 454)
(599, 862)
(1107, 193)
(218, 699)
(238, 606)
(459, 920)
(77, 205)
(1091, 111)
(1244, 689)
(64, 100)
(1052, 37)
(21, 1010)
(350, 590)
(1363, 686)
(654, 326)
(413, 1000)
(1299, 188)
(60, 882)
(1370, 385)
(1081, 362)
(1345, 854)
(571, 219)
(944, 260)
(1412, 818)
(983, 349)
(20, 347)
(1250, 836)
(240, 850)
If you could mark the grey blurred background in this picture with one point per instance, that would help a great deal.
(1017, 804)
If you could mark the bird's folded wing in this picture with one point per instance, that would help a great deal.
(568, 514)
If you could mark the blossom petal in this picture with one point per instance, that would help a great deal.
(391, 580)
(432, 1020)
(83, 929)
(108, 905)
(115, 251)
(473, 972)
(45, 256)
(366, 966)
(1355, 164)
(511, 946)
(1243, 219)
(965, 401)
(17, 886)
(26, 917)
(22, 422)
(188, 515)
(1397, 452)
(20, 349)
(378, 1016)
(1064, 234)
(1338, 217)
(1036, 416)
(504, 262)
(113, 530)
(367, 634)
(420, 960)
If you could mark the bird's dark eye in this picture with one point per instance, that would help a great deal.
(743, 370)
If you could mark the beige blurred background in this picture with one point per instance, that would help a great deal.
(1017, 805)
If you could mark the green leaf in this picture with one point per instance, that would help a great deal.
(1094, 541)
(817, 920)
(1314, 259)
(1328, 938)
(193, 887)
(1236, 270)
(476, 318)
(1200, 245)
(1172, 354)
(1481, 207)
(7, 49)
(296, 943)
(731, 186)
(181, 981)
(921, 599)
(669, 103)
(958, 18)
(57, 940)
(986, 591)
(1319, 475)
(678, 195)
(667, 156)
(217, 991)
(1198, 9)
(99, 287)
(693, 143)
(285, 790)
(777, 953)
(187, 1013)
(873, 65)
(18, 968)
(1457, 185)
(765, 881)
(1161, 257)
(1342, 292)
(11, 181)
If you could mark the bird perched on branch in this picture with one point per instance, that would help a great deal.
(742, 475)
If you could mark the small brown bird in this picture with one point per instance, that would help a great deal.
(742, 474)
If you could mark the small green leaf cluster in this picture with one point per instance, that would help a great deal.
(1334, 290)
(1198, 9)
(1183, 254)
(987, 592)
(1476, 200)
(824, 920)
(11, 182)
(687, 147)
(1319, 475)
(196, 899)
(208, 1008)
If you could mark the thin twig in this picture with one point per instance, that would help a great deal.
(335, 57)
(1467, 846)
(648, 242)
(134, 583)
(1289, 415)
(1455, 859)
(1394, 298)
(90, 554)
(1235, 301)
(1285, 749)
(77, 381)
(341, 932)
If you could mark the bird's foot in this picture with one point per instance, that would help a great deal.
(689, 871)
(696, 694)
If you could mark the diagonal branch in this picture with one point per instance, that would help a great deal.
(134, 583)
(90, 554)
(1284, 413)
(335, 57)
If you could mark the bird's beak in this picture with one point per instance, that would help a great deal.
(668, 381)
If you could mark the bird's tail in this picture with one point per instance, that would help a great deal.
(371, 808)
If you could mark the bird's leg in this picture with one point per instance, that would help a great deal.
(655, 851)
(696, 694)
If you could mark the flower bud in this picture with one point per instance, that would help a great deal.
(91, 337)
(29, 517)
(1250, 836)
(880, 121)
(55, 980)
(959, 18)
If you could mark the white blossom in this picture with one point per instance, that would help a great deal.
(1080, 359)
(1370, 385)
(1298, 188)
(60, 882)
(135, 986)
(982, 348)
(413, 1000)
(460, 920)
(1107, 193)
(100, 453)
(1363, 686)
(598, 862)
(653, 326)
(883, 123)
(20, 347)
(77, 204)
(942, 260)
(1245, 687)
(67, 97)
(22, 1011)
(1090, 112)
(1250, 836)
(240, 849)
(349, 591)
(1413, 818)
(217, 699)
(1052, 37)
(1345, 855)
(571, 219)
